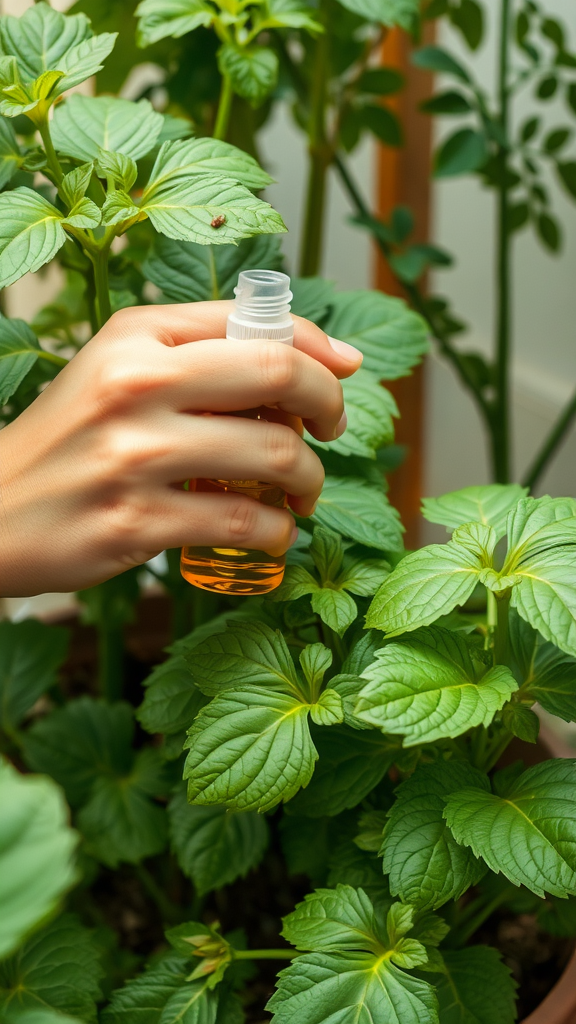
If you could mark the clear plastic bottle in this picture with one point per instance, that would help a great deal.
(262, 310)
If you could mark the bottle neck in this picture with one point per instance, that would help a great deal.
(263, 326)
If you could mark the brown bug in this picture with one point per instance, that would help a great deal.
(218, 221)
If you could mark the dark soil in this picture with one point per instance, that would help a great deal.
(256, 904)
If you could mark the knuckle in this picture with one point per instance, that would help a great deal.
(284, 450)
(121, 454)
(126, 519)
(243, 518)
(278, 367)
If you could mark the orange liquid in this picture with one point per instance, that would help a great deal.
(235, 570)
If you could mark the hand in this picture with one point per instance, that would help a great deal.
(91, 473)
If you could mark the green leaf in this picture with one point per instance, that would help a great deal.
(385, 12)
(84, 60)
(287, 14)
(521, 721)
(215, 846)
(312, 297)
(75, 183)
(547, 674)
(328, 709)
(57, 967)
(537, 816)
(16, 1015)
(469, 18)
(178, 161)
(449, 102)
(36, 847)
(334, 920)
(248, 651)
(392, 338)
(476, 987)
(171, 701)
(357, 509)
(120, 168)
(119, 208)
(19, 351)
(370, 409)
(252, 70)
(327, 552)
(425, 689)
(193, 211)
(296, 583)
(249, 749)
(489, 505)
(382, 122)
(11, 156)
(84, 214)
(30, 655)
(433, 58)
(548, 230)
(187, 272)
(158, 19)
(426, 865)
(431, 582)
(31, 233)
(380, 81)
(462, 153)
(84, 125)
(350, 765)
(363, 577)
(41, 37)
(335, 607)
(315, 660)
(567, 174)
(556, 139)
(163, 994)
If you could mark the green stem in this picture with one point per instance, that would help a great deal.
(501, 427)
(502, 638)
(51, 157)
(320, 156)
(110, 662)
(224, 108)
(99, 259)
(473, 918)
(551, 443)
(265, 954)
(52, 358)
(169, 912)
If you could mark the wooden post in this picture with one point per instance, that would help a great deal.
(404, 179)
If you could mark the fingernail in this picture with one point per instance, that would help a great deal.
(293, 536)
(346, 351)
(341, 426)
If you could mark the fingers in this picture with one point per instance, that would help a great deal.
(225, 376)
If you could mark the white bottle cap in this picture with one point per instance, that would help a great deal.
(262, 307)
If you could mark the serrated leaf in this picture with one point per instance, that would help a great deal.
(248, 651)
(178, 161)
(41, 37)
(158, 19)
(547, 674)
(315, 660)
(355, 508)
(19, 350)
(215, 846)
(84, 60)
(84, 125)
(187, 272)
(537, 816)
(164, 995)
(11, 156)
(30, 655)
(252, 70)
(425, 689)
(36, 847)
(328, 709)
(475, 987)
(334, 920)
(425, 864)
(335, 607)
(489, 505)
(31, 233)
(84, 214)
(370, 409)
(58, 967)
(171, 701)
(119, 208)
(350, 765)
(386, 12)
(363, 577)
(74, 184)
(249, 749)
(521, 722)
(392, 338)
(296, 583)
(431, 582)
(120, 168)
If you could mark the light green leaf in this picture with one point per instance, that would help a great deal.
(386, 12)
(58, 968)
(30, 655)
(312, 297)
(370, 409)
(426, 865)
(36, 847)
(84, 214)
(19, 350)
(178, 161)
(287, 14)
(358, 509)
(171, 701)
(363, 577)
(547, 674)
(296, 583)
(84, 60)
(215, 846)
(74, 184)
(193, 211)
(489, 505)
(531, 517)
(187, 272)
(252, 70)
(536, 815)
(417, 690)
(250, 652)
(431, 582)
(350, 765)
(163, 995)
(11, 156)
(24, 97)
(31, 233)
(334, 920)
(158, 19)
(315, 660)
(43, 1015)
(120, 168)
(327, 553)
(475, 987)
(84, 125)
(249, 749)
(41, 37)
(119, 207)
(392, 337)
(335, 607)
(328, 709)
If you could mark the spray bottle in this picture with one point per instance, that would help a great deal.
(262, 310)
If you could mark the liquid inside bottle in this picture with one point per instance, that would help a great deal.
(240, 571)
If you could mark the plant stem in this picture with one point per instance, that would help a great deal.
(52, 159)
(52, 358)
(224, 108)
(320, 156)
(501, 426)
(110, 662)
(99, 260)
(265, 954)
(170, 913)
(474, 916)
(502, 638)
(551, 443)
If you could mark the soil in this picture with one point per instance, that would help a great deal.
(257, 903)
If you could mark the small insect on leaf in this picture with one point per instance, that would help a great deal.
(218, 221)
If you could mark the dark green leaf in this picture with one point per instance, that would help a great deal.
(171, 701)
(468, 17)
(547, 87)
(518, 215)
(547, 674)
(433, 58)
(385, 12)
(529, 128)
(450, 102)
(392, 338)
(11, 156)
(522, 722)
(557, 139)
(567, 174)
(380, 81)
(30, 655)
(361, 511)
(248, 651)
(164, 994)
(19, 350)
(383, 123)
(187, 272)
(462, 153)
(476, 987)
